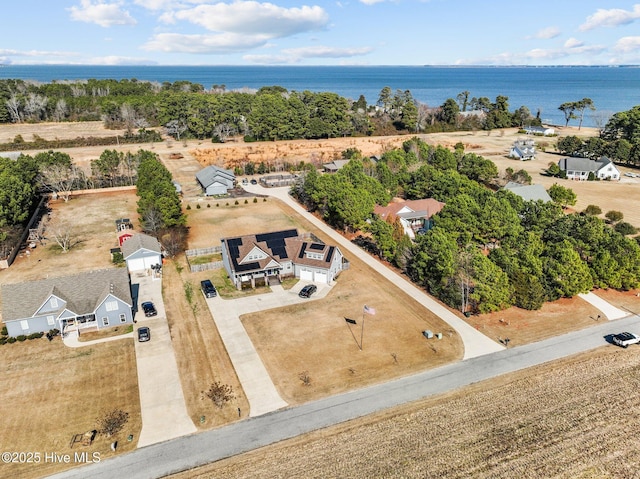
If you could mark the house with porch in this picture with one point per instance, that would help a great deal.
(579, 168)
(261, 258)
(523, 150)
(86, 301)
(415, 215)
(215, 181)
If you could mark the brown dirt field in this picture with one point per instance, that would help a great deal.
(92, 219)
(200, 353)
(53, 131)
(51, 392)
(573, 418)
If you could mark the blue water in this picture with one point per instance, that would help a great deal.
(612, 89)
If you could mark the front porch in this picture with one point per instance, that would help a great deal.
(79, 324)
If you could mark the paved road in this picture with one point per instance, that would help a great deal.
(475, 343)
(187, 452)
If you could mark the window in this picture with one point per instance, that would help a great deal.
(53, 302)
(24, 324)
(111, 305)
(105, 321)
(50, 321)
(123, 318)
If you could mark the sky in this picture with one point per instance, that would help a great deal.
(344, 32)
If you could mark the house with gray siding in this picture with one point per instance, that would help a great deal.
(528, 192)
(262, 257)
(86, 301)
(215, 180)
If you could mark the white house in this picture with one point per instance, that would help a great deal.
(215, 181)
(579, 168)
(523, 150)
(539, 130)
(141, 252)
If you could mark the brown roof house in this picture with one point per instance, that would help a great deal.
(415, 215)
(279, 254)
(95, 300)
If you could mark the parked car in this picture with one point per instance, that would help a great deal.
(625, 339)
(245, 181)
(308, 290)
(208, 289)
(144, 334)
(149, 309)
(254, 182)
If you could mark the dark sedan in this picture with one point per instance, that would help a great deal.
(149, 309)
(308, 290)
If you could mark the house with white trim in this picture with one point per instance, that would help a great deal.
(215, 180)
(141, 252)
(85, 301)
(414, 215)
(260, 258)
(523, 150)
(579, 168)
(539, 130)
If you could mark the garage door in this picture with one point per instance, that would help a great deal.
(321, 278)
(136, 264)
(151, 261)
(306, 275)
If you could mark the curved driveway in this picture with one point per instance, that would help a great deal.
(475, 343)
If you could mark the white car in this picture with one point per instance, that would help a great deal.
(625, 339)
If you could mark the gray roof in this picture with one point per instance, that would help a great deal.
(83, 292)
(213, 174)
(528, 192)
(582, 164)
(335, 165)
(140, 241)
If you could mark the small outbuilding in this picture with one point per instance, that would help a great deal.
(141, 252)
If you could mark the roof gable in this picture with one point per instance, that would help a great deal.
(213, 174)
(81, 292)
(140, 241)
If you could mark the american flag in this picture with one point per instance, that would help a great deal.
(369, 310)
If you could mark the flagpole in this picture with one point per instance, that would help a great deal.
(362, 329)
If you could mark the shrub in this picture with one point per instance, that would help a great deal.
(35, 335)
(11, 340)
(246, 202)
(3, 340)
(264, 200)
(593, 210)
(208, 205)
(255, 200)
(625, 228)
(4, 331)
(21, 338)
(236, 202)
(198, 206)
(188, 207)
(217, 205)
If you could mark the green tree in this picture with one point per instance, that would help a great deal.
(449, 112)
(562, 196)
(593, 210)
(569, 110)
(491, 288)
(614, 216)
(383, 234)
(566, 274)
(570, 145)
(581, 106)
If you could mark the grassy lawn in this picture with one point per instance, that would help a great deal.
(105, 333)
(51, 392)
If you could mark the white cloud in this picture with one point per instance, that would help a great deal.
(117, 60)
(611, 18)
(371, 2)
(573, 43)
(250, 17)
(326, 52)
(100, 13)
(547, 33)
(296, 55)
(542, 56)
(210, 44)
(624, 45)
(32, 53)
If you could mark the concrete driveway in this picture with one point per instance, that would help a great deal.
(164, 413)
(475, 343)
(258, 387)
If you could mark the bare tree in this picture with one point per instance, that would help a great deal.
(152, 221)
(35, 105)
(463, 278)
(175, 128)
(112, 422)
(61, 110)
(128, 117)
(224, 131)
(59, 179)
(64, 235)
(174, 241)
(220, 394)
(13, 106)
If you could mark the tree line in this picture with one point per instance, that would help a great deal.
(487, 249)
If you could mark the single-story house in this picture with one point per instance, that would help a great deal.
(414, 215)
(141, 252)
(539, 130)
(523, 150)
(278, 255)
(278, 180)
(579, 168)
(528, 192)
(97, 299)
(215, 180)
(334, 166)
